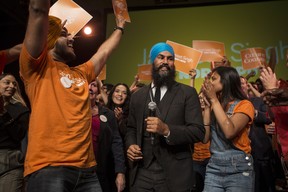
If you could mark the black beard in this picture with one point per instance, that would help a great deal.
(66, 56)
(164, 79)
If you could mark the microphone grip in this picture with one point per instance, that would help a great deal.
(152, 137)
(152, 113)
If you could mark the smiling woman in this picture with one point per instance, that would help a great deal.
(14, 120)
(118, 101)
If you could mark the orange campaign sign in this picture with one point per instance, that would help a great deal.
(102, 74)
(253, 58)
(144, 72)
(75, 15)
(121, 10)
(186, 58)
(211, 50)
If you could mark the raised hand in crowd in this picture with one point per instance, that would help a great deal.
(254, 90)
(192, 74)
(135, 82)
(268, 78)
(103, 96)
(224, 62)
(275, 97)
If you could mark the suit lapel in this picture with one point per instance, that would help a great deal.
(143, 106)
(167, 100)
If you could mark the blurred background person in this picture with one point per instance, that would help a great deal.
(275, 95)
(261, 144)
(201, 154)
(107, 145)
(107, 87)
(9, 55)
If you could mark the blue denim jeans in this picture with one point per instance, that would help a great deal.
(231, 173)
(63, 179)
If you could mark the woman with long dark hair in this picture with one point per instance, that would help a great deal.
(230, 116)
(118, 101)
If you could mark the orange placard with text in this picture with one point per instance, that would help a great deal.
(75, 15)
(121, 10)
(211, 50)
(186, 58)
(144, 72)
(253, 58)
(102, 74)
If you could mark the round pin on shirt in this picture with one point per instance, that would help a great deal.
(103, 118)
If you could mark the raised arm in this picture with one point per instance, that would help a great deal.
(37, 29)
(100, 57)
(13, 53)
(230, 126)
(269, 79)
(136, 80)
(192, 74)
(101, 91)
(255, 91)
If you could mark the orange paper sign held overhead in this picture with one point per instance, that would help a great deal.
(121, 10)
(211, 50)
(144, 72)
(186, 58)
(253, 58)
(75, 15)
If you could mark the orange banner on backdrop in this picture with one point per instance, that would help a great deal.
(144, 72)
(121, 10)
(102, 74)
(253, 58)
(186, 58)
(211, 50)
(75, 15)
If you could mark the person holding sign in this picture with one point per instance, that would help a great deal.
(60, 152)
(164, 121)
(230, 167)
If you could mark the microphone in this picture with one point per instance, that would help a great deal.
(152, 113)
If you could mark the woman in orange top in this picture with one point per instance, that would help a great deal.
(230, 114)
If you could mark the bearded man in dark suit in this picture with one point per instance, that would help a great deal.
(160, 145)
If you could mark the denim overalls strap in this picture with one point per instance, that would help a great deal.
(219, 144)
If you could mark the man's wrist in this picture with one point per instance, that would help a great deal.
(119, 28)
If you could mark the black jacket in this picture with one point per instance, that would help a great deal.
(110, 157)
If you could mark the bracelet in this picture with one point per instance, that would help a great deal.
(119, 28)
(207, 125)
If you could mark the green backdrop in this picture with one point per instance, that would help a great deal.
(239, 26)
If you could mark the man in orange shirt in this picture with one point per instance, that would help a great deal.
(60, 151)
